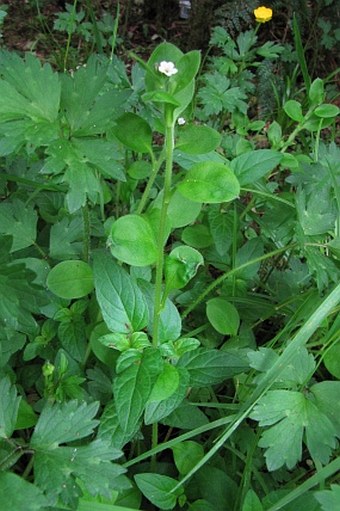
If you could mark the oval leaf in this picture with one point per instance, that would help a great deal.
(210, 182)
(223, 316)
(134, 132)
(198, 139)
(70, 279)
(133, 241)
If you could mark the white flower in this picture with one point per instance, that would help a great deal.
(181, 121)
(167, 68)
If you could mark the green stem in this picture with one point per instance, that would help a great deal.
(96, 32)
(68, 43)
(86, 226)
(156, 165)
(231, 272)
(169, 149)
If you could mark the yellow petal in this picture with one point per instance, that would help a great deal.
(263, 14)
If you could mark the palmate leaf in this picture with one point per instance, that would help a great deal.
(9, 406)
(20, 221)
(71, 421)
(80, 160)
(19, 297)
(27, 88)
(292, 415)
(57, 469)
(20, 495)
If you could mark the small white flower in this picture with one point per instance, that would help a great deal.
(181, 121)
(167, 68)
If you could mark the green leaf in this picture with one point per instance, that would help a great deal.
(9, 407)
(209, 182)
(294, 110)
(19, 297)
(326, 111)
(251, 166)
(26, 416)
(166, 384)
(59, 471)
(71, 421)
(133, 241)
(182, 211)
(160, 97)
(223, 316)
(293, 414)
(329, 499)
(252, 502)
(209, 367)
(314, 211)
(332, 360)
(20, 221)
(154, 80)
(181, 266)
(316, 92)
(194, 139)
(132, 389)
(66, 238)
(134, 132)
(188, 66)
(28, 89)
(157, 489)
(197, 236)
(170, 321)
(70, 279)
(20, 494)
(187, 455)
(121, 302)
(221, 228)
(155, 411)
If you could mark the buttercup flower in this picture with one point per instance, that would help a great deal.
(167, 68)
(181, 121)
(263, 14)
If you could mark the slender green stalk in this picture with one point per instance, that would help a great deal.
(68, 43)
(156, 165)
(96, 32)
(115, 30)
(169, 149)
(87, 233)
(229, 273)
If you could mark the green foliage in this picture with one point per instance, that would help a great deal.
(167, 271)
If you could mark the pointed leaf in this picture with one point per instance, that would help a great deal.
(121, 302)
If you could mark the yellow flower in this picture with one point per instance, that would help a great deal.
(263, 14)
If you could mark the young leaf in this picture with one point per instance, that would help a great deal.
(181, 266)
(155, 411)
(9, 407)
(70, 279)
(157, 489)
(182, 211)
(132, 389)
(294, 110)
(209, 182)
(121, 301)
(20, 494)
(166, 384)
(133, 241)
(223, 316)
